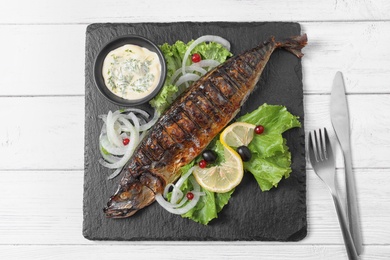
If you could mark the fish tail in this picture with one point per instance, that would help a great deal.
(294, 44)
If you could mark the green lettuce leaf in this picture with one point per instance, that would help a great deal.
(271, 158)
(266, 145)
(275, 119)
(269, 171)
(208, 206)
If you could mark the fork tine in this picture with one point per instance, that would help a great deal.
(323, 144)
(318, 145)
(312, 154)
(328, 147)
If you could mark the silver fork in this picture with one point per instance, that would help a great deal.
(322, 160)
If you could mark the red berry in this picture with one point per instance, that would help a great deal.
(126, 141)
(202, 164)
(259, 129)
(196, 57)
(190, 195)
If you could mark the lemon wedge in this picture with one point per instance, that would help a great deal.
(228, 175)
(224, 177)
(237, 134)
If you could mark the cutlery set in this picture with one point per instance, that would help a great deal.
(323, 162)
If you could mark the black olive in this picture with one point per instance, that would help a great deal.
(209, 156)
(245, 153)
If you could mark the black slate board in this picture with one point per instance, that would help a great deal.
(277, 215)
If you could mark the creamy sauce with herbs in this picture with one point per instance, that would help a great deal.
(131, 72)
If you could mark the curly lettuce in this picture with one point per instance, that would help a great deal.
(271, 158)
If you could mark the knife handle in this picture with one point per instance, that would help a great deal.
(352, 207)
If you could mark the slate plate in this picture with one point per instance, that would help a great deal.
(277, 215)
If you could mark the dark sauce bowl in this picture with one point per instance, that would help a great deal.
(114, 44)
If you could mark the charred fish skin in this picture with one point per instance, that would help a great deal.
(190, 124)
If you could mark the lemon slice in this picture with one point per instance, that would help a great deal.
(224, 177)
(228, 175)
(237, 134)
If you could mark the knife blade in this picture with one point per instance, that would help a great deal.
(339, 115)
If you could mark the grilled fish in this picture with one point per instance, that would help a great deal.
(190, 124)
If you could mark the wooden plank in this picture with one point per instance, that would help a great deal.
(359, 50)
(50, 60)
(53, 128)
(55, 63)
(42, 133)
(187, 250)
(46, 11)
(49, 203)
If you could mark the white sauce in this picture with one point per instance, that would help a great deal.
(131, 72)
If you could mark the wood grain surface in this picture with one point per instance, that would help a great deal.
(42, 123)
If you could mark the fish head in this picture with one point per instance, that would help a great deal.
(134, 193)
(126, 202)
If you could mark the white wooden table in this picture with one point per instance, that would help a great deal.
(42, 45)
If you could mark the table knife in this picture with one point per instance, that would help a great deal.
(340, 120)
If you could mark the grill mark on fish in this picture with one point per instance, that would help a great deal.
(145, 152)
(241, 68)
(175, 116)
(187, 125)
(198, 127)
(204, 104)
(174, 131)
(190, 120)
(164, 139)
(209, 99)
(220, 83)
(234, 72)
(231, 80)
(195, 114)
(261, 53)
(217, 98)
(154, 149)
(142, 158)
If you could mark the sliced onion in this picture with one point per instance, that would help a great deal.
(130, 147)
(207, 63)
(180, 182)
(142, 136)
(191, 68)
(137, 110)
(175, 209)
(111, 131)
(186, 78)
(151, 122)
(135, 121)
(181, 207)
(114, 174)
(109, 147)
(177, 194)
(118, 125)
(205, 38)
(109, 158)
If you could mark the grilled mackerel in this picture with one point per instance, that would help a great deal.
(190, 124)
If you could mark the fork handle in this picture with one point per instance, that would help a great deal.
(348, 241)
